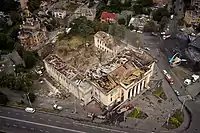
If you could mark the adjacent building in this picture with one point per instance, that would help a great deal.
(108, 17)
(192, 17)
(61, 14)
(32, 34)
(122, 77)
(87, 10)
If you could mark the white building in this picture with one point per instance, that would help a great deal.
(123, 77)
(61, 14)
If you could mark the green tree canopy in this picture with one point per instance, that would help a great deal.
(3, 99)
(33, 5)
(9, 5)
(7, 43)
(145, 3)
(29, 59)
(121, 21)
(81, 26)
(160, 13)
(32, 97)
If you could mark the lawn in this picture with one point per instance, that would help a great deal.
(175, 120)
(136, 113)
(72, 7)
(160, 93)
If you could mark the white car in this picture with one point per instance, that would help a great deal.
(177, 93)
(139, 32)
(57, 107)
(162, 33)
(195, 78)
(30, 110)
(187, 82)
(146, 48)
(172, 16)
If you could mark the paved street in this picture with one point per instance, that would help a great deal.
(18, 121)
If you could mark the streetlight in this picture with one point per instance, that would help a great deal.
(169, 115)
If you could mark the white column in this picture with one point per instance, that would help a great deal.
(135, 90)
(138, 88)
(142, 87)
(131, 93)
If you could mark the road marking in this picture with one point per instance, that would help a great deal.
(41, 118)
(46, 131)
(58, 121)
(102, 128)
(23, 127)
(41, 130)
(44, 125)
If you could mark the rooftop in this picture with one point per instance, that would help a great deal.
(109, 40)
(61, 66)
(126, 68)
(108, 15)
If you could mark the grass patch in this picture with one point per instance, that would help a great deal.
(71, 7)
(160, 93)
(136, 113)
(175, 120)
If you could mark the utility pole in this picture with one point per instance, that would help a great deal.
(169, 115)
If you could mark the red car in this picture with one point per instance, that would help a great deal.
(168, 77)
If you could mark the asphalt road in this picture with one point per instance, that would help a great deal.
(19, 121)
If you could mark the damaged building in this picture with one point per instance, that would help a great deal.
(123, 76)
(32, 33)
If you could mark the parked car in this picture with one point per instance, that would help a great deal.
(168, 77)
(195, 78)
(187, 82)
(146, 48)
(30, 110)
(57, 107)
(177, 93)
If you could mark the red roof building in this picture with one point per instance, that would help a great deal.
(108, 17)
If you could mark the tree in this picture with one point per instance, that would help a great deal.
(122, 21)
(3, 99)
(8, 5)
(6, 42)
(159, 14)
(32, 97)
(138, 9)
(163, 22)
(81, 26)
(150, 27)
(29, 59)
(33, 5)
(145, 3)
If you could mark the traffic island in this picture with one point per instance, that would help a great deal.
(159, 93)
(136, 113)
(175, 120)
